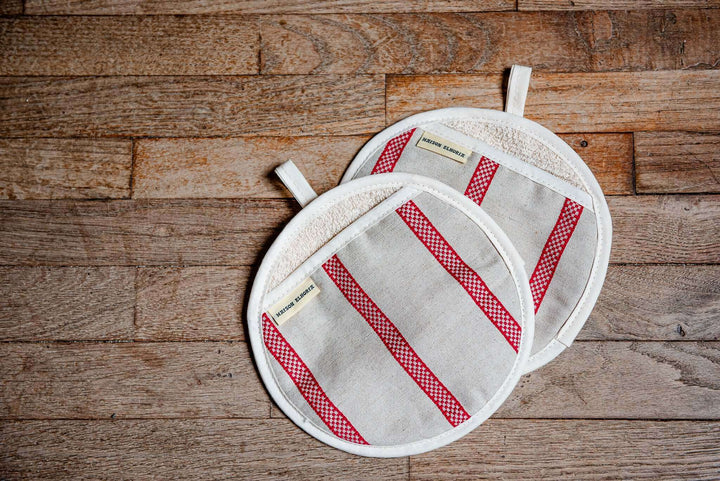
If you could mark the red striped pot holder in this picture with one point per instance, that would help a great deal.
(403, 329)
(532, 184)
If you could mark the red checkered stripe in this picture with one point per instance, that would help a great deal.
(553, 250)
(391, 153)
(481, 178)
(456, 267)
(396, 343)
(307, 384)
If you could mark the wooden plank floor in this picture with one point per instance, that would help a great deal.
(137, 138)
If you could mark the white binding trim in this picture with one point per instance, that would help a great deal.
(569, 331)
(295, 182)
(517, 89)
(496, 236)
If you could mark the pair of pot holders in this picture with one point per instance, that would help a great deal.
(463, 248)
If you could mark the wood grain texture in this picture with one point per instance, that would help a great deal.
(66, 303)
(129, 380)
(65, 168)
(238, 167)
(190, 106)
(572, 450)
(242, 167)
(580, 102)
(181, 7)
(665, 229)
(226, 449)
(673, 380)
(490, 42)
(11, 7)
(191, 232)
(647, 229)
(626, 380)
(657, 303)
(208, 303)
(610, 158)
(191, 303)
(672, 162)
(128, 46)
(613, 4)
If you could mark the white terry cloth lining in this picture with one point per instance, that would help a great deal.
(527, 170)
(334, 218)
(338, 196)
(507, 132)
(520, 144)
(345, 236)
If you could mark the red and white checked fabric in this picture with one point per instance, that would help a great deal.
(553, 250)
(396, 342)
(481, 178)
(391, 153)
(307, 384)
(456, 267)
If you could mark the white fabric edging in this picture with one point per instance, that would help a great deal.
(295, 182)
(496, 236)
(517, 90)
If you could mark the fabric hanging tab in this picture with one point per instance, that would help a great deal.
(295, 182)
(517, 88)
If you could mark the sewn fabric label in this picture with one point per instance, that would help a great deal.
(448, 149)
(291, 304)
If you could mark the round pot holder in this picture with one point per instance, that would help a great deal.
(391, 316)
(533, 185)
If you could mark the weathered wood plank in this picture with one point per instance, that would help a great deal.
(657, 303)
(675, 229)
(65, 168)
(129, 380)
(11, 7)
(191, 303)
(66, 303)
(572, 450)
(205, 303)
(613, 4)
(417, 44)
(161, 106)
(202, 168)
(579, 102)
(128, 46)
(647, 229)
(610, 158)
(239, 167)
(208, 303)
(673, 380)
(628, 380)
(225, 449)
(192, 232)
(182, 7)
(671, 162)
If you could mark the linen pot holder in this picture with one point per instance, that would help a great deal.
(533, 185)
(391, 316)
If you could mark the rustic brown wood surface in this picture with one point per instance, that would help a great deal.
(137, 141)
(684, 162)
(234, 167)
(65, 168)
(582, 102)
(207, 303)
(153, 7)
(489, 42)
(612, 4)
